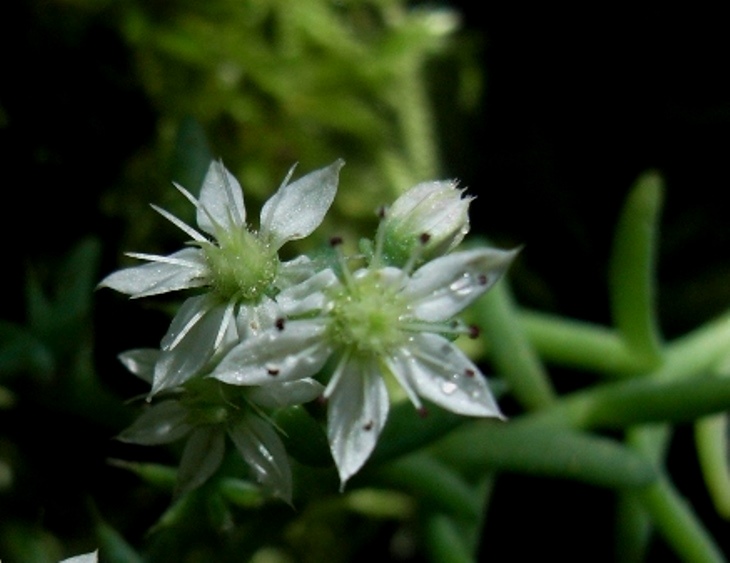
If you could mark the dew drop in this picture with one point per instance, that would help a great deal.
(462, 286)
(448, 387)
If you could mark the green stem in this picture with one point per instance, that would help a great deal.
(632, 267)
(444, 543)
(431, 481)
(640, 401)
(712, 452)
(699, 351)
(580, 344)
(677, 522)
(511, 350)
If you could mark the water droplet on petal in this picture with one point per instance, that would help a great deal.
(448, 387)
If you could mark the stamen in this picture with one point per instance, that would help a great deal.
(469, 372)
(336, 244)
(474, 331)
(368, 425)
(454, 328)
(482, 279)
(422, 412)
(273, 370)
(280, 323)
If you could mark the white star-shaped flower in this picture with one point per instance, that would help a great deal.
(376, 321)
(207, 413)
(238, 265)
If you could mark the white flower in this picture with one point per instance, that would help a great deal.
(208, 412)
(432, 216)
(239, 266)
(377, 321)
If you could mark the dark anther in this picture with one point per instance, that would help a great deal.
(272, 371)
(280, 323)
(483, 279)
(335, 241)
(474, 331)
(368, 425)
(469, 372)
(422, 412)
(424, 238)
(381, 211)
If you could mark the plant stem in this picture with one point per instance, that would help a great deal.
(511, 350)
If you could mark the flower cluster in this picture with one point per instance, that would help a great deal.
(261, 334)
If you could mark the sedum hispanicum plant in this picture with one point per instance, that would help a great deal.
(355, 331)
(208, 412)
(238, 267)
(377, 322)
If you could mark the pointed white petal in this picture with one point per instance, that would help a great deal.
(91, 557)
(286, 394)
(294, 271)
(191, 311)
(295, 210)
(141, 362)
(192, 350)
(161, 277)
(221, 200)
(443, 287)
(260, 445)
(253, 320)
(184, 227)
(308, 296)
(442, 373)
(296, 351)
(162, 423)
(201, 458)
(356, 413)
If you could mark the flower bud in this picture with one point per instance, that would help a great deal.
(430, 218)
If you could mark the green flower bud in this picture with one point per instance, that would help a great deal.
(431, 218)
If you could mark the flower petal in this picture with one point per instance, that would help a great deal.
(161, 277)
(285, 394)
(307, 297)
(162, 423)
(294, 271)
(194, 343)
(295, 210)
(141, 362)
(221, 201)
(442, 373)
(295, 351)
(356, 413)
(201, 458)
(443, 287)
(260, 445)
(253, 320)
(190, 313)
(91, 557)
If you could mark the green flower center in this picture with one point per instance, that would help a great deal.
(242, 265)
(367, 313)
